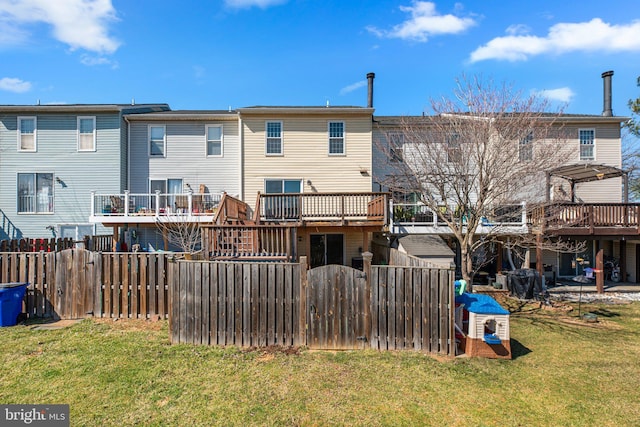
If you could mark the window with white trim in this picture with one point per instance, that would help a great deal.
(35, 193)
(274, 138)
(27, 131)
(525, 148)
(336, 138)
(587, 143)
(157, 141)
(454, 149)
(86, 134)
(396, 146)
(214, 141)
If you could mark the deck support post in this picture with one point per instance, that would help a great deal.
(599, 268)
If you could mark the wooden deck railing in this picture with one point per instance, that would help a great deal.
(586, 216)
(342, 207)
(247, 241)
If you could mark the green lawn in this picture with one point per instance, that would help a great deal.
(565, 372)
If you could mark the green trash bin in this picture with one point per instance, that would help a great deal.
(11, 296)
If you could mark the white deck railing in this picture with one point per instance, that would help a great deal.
(154, 204)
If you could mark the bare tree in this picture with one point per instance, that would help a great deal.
(485, 148)
(181, 232)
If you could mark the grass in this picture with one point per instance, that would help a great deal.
(565, 372)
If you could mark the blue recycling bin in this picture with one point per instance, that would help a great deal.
(11, 296)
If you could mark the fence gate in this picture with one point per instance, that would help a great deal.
(336, 308)
(75, 283)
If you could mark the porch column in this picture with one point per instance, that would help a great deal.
(539, 264)
(365, 240)
(548, 195)
(599, 268)
(623, 260)
(114, 238)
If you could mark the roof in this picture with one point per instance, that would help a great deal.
(328, 110)
(82, 108)
(585, 172)
(425, 245)
(480, 304)
(566, 118)
(178, 115)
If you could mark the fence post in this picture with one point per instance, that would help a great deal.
(366, 267)
(302, 321)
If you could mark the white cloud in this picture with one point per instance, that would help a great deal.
(11, 84)
(345, 90)
(245, 4)
(90, 60)
(563, 94)
(81, 24)
(424, 23)
(592, 36)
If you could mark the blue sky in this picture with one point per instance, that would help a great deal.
(239, 53)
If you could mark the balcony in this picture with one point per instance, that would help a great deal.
(151, 207)
(416, 218)
(304, 209)
(598, 219)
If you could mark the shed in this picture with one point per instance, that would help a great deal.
(428, 247)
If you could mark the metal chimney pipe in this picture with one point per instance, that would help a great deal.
(370, 77)
(607, 111)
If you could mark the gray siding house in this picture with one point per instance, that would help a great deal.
(174, 153)
(52, 157)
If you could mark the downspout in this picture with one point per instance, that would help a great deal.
(128, 152)
(241, 157)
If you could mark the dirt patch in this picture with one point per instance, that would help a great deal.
(154, 324)
(269, 352)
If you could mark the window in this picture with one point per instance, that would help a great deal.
(396, 144)
(587, 142)
(454, 151)
(214, 141)
(77, 232)
(336, 138)
(86, 134)
(282, 207)
(525, 149)
(274, 138)
(168, 190)
(35, 193)
(157, 141)
(27, 134)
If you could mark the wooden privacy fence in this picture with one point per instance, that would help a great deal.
(92, 243)
(330, 307)
(76, 283)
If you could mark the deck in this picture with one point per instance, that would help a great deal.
(149, 208)
(587, 219)
(324, 209)
(416, 218)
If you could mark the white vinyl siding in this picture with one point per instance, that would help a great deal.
(214, 141)
(35, 193)
(273, 138)
(157, 141)
(27, 134)
(306, 155)
(86, 134)
(587, 139)
(336, 138)
(187, 159)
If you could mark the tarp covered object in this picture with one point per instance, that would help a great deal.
(525, 283)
